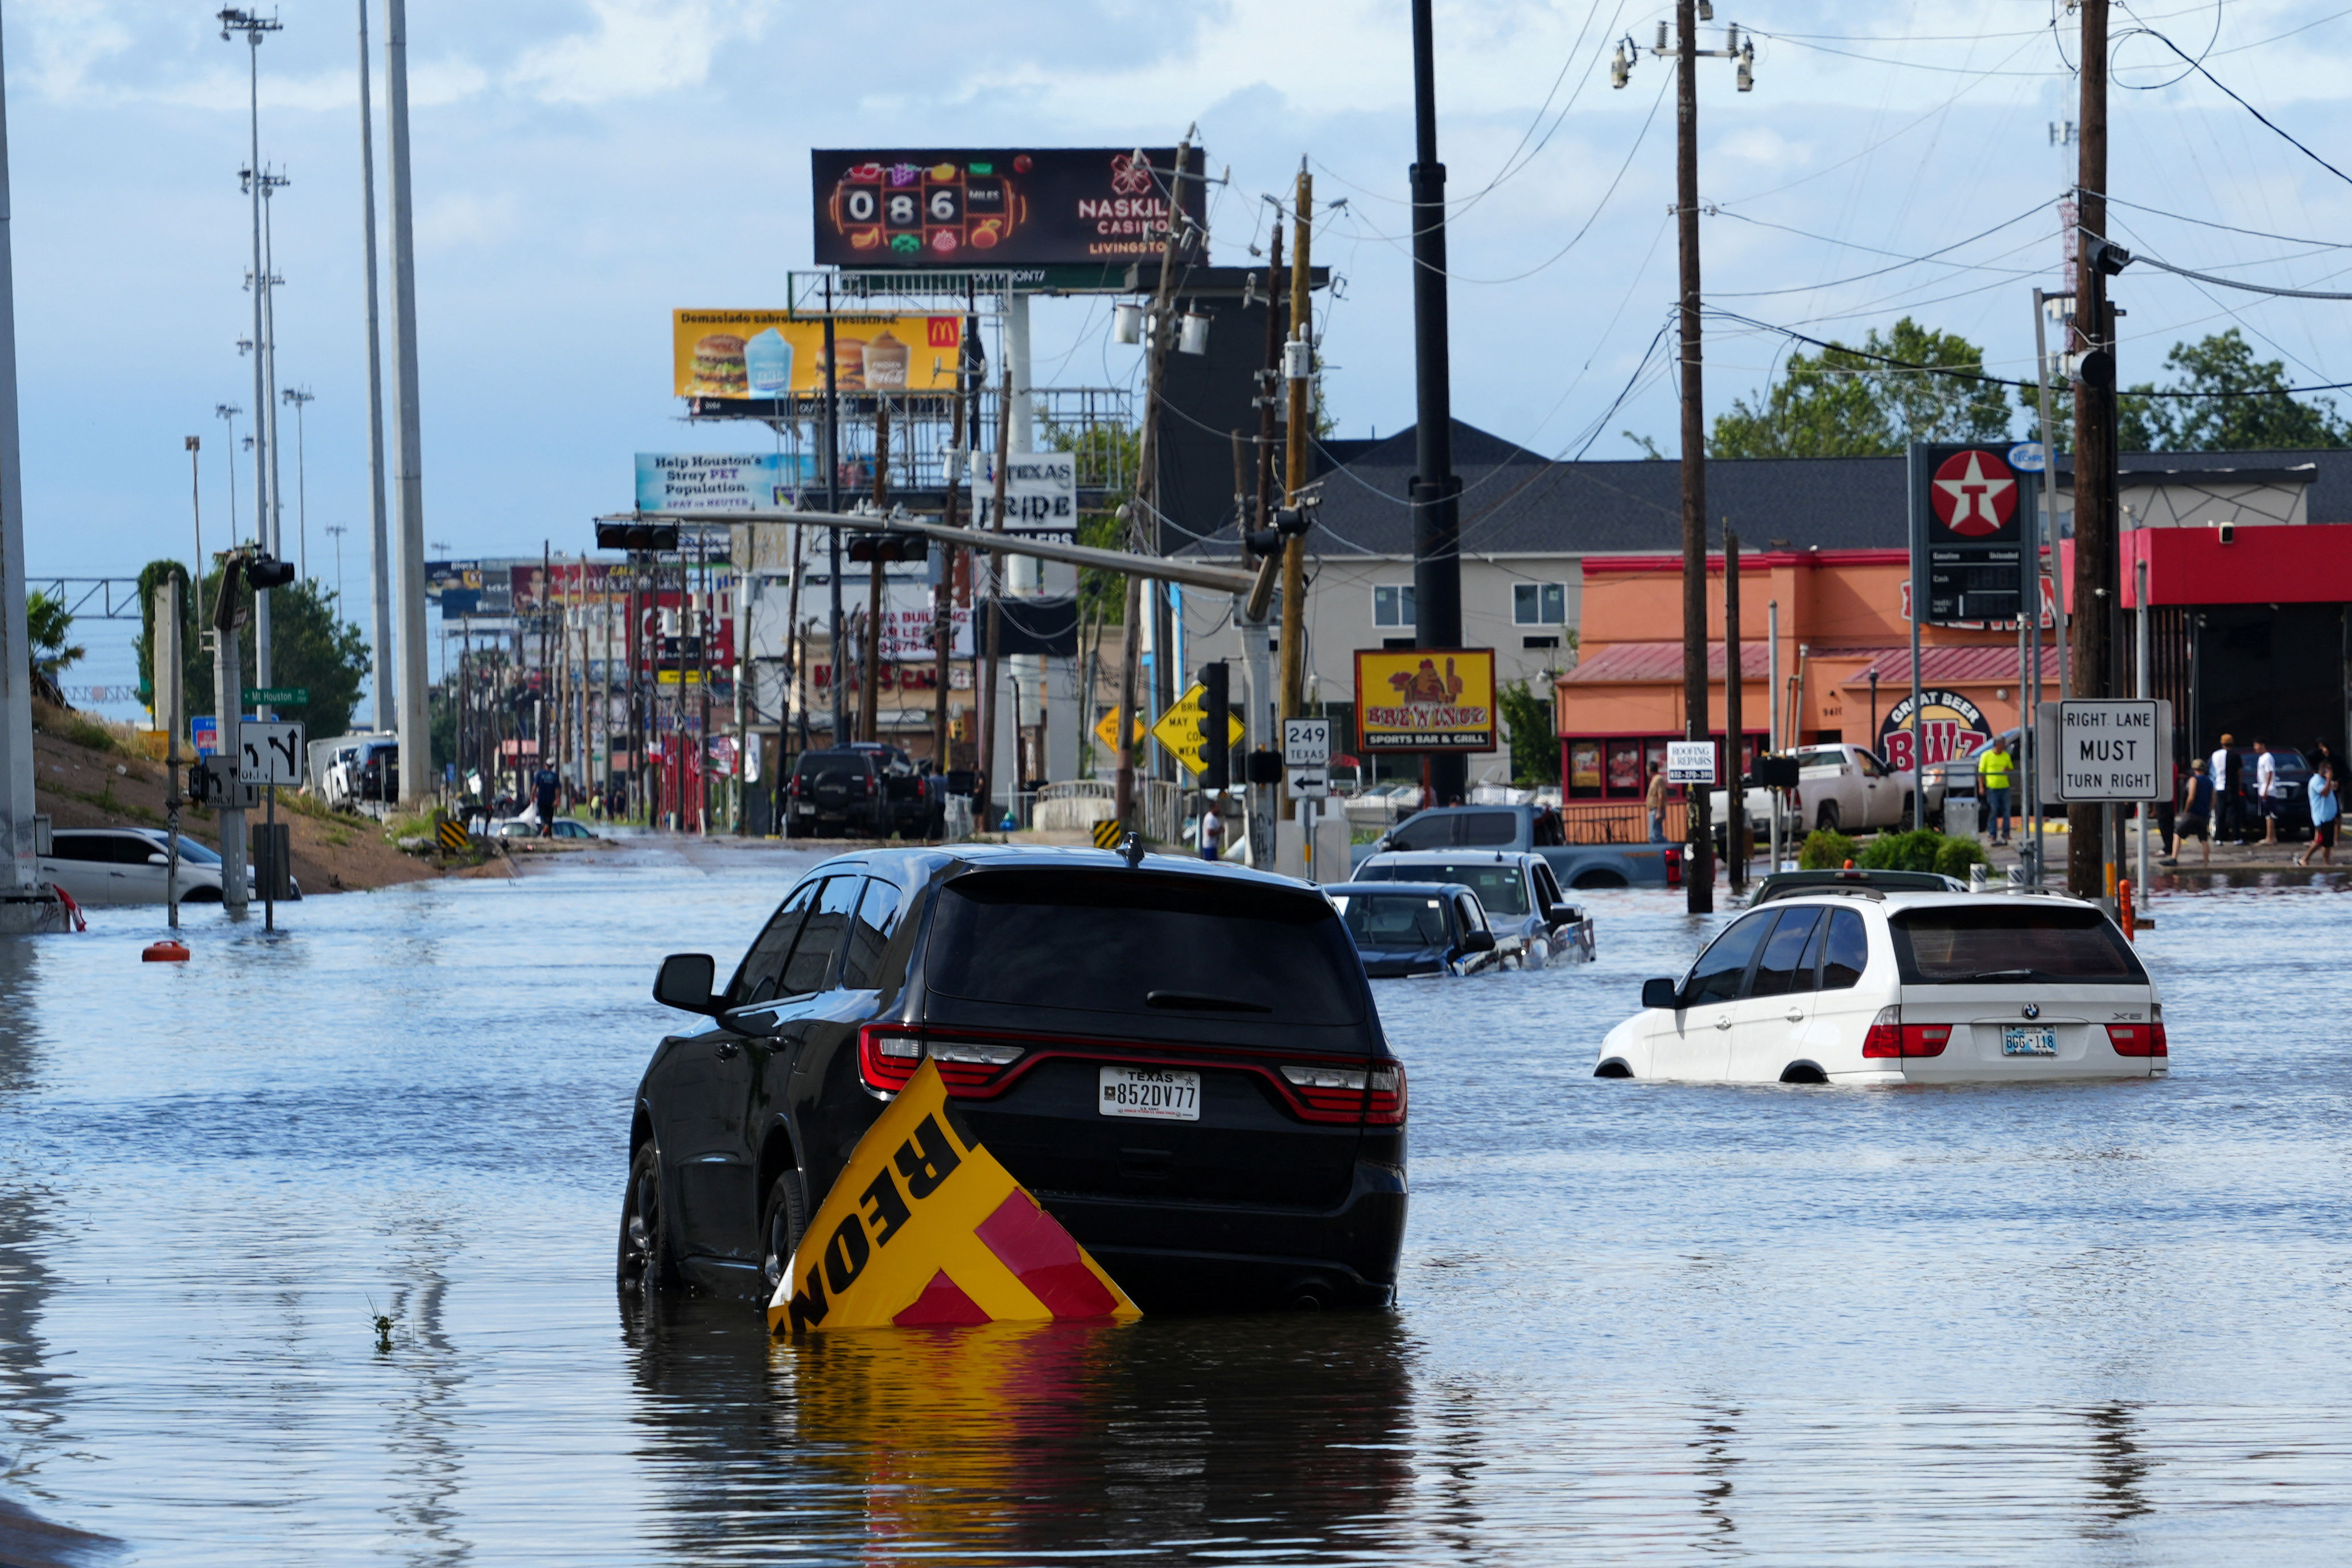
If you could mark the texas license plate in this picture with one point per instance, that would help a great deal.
(2016, 1040)
(1156, 1093)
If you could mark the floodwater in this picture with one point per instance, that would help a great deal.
(1639, 1323)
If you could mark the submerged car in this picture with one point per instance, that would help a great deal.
(1869, 987)
(106, 866)
(1403, 929)
(1533, 924)
(528, 828)
(1181, 1061)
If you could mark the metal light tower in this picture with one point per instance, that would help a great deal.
(380, 569)
(336, 532)
(256, 184)
(227, 413)
(416, 747)
(298, 398)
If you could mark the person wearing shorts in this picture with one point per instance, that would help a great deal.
(2196, 817)
(2325, 811)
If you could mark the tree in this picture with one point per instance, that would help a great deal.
(48, 624)
(309, 647)
(1535, 749)
(1845, 402)
(2235, 404)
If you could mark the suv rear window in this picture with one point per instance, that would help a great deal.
(1128, 942)
(2011, 942)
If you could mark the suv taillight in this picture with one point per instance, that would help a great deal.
(1673, 859)
(1891, 1038)
(887, 1055)
(1324, 1093)
(2139, 1038)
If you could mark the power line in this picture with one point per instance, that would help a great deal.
(2235, 282)
(2199, 67)
(2230, 228)
(1880, 272)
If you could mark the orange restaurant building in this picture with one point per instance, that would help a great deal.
(1844, 625)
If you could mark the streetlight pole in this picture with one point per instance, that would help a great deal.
(336, 531)
(416, 746)
(299, 397)
(379, 557)
(257, 184)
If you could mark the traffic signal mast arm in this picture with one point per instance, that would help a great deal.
(1166, 568)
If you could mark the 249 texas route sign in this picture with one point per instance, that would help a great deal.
(1969, 509)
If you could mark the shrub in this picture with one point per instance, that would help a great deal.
(1825, 850)
(1913, 850)
(1957, 854)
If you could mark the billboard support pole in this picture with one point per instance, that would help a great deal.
(1919, 611)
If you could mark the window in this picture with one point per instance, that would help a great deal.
(1781, 969)
(1500, 887)
(763, 970)
(1490, 828)
(1848, 954)
(810, 965)
(1716, 975)
(1393, 921)
(1539, 603)
(1427, 834)
(1393, 606)
(1129, 941)
(2007, 945)
(877, 922)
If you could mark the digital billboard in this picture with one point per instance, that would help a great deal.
(980, 208)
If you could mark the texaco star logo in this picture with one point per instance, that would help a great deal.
(1973, 494)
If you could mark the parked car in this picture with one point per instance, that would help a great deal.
(1840, 789)
(864, 788)
(1037, 980)
(1533, 924)
(103, 866)
(2293, 776)
(1866, 986)
(1404, 928)
(1533, 829)
(1796, 883)
(1381, 805)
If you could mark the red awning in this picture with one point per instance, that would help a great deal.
(1663, 661)
(1947, 667)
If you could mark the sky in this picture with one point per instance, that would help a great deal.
(584, 166)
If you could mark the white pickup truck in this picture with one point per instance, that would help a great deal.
(1844, 789)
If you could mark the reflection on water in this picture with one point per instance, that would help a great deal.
(1639, 1323)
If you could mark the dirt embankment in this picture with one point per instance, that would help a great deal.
(82, 780)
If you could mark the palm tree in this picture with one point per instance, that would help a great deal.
(48, 624)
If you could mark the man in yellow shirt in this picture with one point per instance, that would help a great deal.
(1996, 769)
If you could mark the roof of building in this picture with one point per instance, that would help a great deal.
(1518, 502)
(1663, 661)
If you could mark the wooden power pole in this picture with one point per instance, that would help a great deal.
(1698, 884)
(1294, 460)
(2089, 863)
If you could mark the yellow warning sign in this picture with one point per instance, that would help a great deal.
(925, 1228)
(454, 837)
(1179, 729)
(1106, 833)
(1107, 729)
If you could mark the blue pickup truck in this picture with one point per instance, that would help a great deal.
(1535, 829)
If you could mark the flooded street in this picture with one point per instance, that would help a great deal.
(1639, 1323)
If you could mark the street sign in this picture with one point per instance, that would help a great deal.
(1307, 783)
(1305, 742)
(206, 733)
(1105, 834)
(277, 696)
(1690, 762)
(1178, 729)
(2118, 750)
(452, 836)
(1107, 729)
(269, 753)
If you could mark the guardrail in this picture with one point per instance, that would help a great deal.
(1076, 804)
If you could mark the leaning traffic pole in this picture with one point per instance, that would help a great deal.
(408, 478)
(1698, 886)
(1436, 493)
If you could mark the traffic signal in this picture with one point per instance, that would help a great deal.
(657, 538)
(1288, 523)
(889, 547)
(265, 571)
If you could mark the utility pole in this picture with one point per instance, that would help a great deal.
(408, 474)
(993, 633)
(300, 398)
(943, 592)
(1156, 342)
(869, 695)
(833, 539)
(379, 570)
(2090, 859)
(1294, 460)
(1436, 492)
(1734, 795)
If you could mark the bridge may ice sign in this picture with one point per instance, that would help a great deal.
(2106, 751)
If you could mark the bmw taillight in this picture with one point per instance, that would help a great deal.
(888, 1054)
(1325, 1092)
(2139, 1038)
(1891, 1039)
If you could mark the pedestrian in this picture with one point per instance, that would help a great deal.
(544, 784)
(1213, 829)
(1654, 802)
(2221, 767)
(1995, 770)
(2196, 817)
(2270, 795)
(2325, 810)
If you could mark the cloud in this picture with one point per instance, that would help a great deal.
(637, 47)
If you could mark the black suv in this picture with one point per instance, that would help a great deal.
(863, 787)
(1181, 1061)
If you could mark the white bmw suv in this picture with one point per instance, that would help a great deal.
(1865, 987)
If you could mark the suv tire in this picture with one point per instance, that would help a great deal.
(781, 1221)
(645, 1262)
